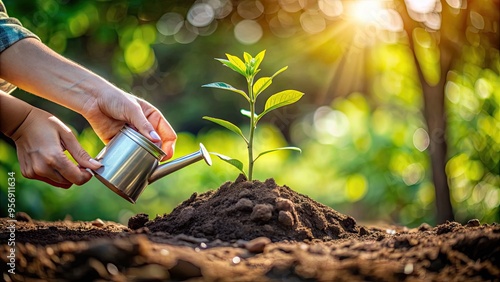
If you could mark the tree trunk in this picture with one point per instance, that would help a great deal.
(435, 117)
(434, 110)
(436, 125)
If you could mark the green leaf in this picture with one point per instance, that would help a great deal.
(237, 62)
(232, 66)
(280, 71)
(264, 82)
(225, 86)
(259, 58)
(227, 125)
(261, 84)
(278, 149)
(280, 99)
(247, 113)
(234, 162)
(247, 57)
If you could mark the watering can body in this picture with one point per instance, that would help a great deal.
(130, 162)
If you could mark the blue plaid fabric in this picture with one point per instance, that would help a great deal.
(11, 31)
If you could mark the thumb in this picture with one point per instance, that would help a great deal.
(77, 152)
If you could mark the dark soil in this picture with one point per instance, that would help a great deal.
(249, 231)
(247, 210)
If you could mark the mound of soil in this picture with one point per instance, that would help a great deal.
(247, 210)
(246, 231)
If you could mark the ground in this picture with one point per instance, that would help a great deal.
(249, 231)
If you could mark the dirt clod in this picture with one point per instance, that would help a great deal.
(285, 218)
(257, 245)
(22, 216)
(244, 204)
(473, 223)
(137, 221)
(98, 223)
(262, 212)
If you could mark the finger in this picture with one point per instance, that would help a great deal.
(169, 137)
(141, 123)
(169, 149)
(69, 142)
(37, 169)
(65, 185)
(71, 172)
(41, 171)
(81, 156)
(167, 133)
(67, 169)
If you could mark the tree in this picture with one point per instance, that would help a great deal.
(445, 35)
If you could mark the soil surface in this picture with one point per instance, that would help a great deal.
(247, 231)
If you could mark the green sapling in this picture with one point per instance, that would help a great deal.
(249, 67)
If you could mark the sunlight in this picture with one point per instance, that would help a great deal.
(364, 11)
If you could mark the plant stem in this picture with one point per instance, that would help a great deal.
(252, 128)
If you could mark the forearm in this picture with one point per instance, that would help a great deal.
(34, 67)
(12, 113)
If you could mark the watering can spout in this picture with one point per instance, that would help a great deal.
(174, 165)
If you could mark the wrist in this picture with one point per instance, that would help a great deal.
(13, 113)
(24, 125)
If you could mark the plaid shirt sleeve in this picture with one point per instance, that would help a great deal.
(11, 31)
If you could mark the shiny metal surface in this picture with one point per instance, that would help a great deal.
(169, 167)
(130, 162)
(143, 142)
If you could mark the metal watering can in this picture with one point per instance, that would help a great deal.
(131, 162)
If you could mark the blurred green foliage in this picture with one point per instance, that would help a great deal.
(363, 155)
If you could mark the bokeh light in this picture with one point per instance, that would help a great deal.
(329, 124)
(364, 11)
(78, 24)
(222, 8)
(421, 139)
(282, 25)
(290, 6)
(139, 56)
(421, 6)
(186, 34)
(356, 187)
(248, 32)
(200, 14)
(331, 8)
(455, 4)
(312, 22)
(250, 9)
(170, 23)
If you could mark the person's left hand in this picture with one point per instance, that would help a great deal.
(41, 140)
(110, 110)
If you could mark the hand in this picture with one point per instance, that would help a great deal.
(41, 141)
(110, 110)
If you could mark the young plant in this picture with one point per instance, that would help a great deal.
(248, 68)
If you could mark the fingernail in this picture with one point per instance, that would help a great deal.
(94, 162)
(155, 135)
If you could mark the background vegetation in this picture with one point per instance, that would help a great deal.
(362, 125)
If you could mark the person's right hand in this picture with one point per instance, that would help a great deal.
(111, 108)
(41, 141)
